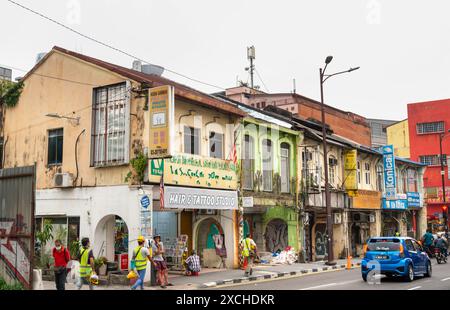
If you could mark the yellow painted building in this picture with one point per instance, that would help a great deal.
(398, 135)
(82, 120)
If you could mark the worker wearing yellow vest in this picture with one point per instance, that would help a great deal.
(86, 265)
(249, 253)
(139, 262)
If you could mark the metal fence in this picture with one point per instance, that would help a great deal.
(17, 203)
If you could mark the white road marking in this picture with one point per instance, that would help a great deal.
(446, 279)
(414, 288)
(319, 286)
(330, 284)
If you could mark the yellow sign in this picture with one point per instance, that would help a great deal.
(367, 200)
(161, 106)
(194, 170)
(350, 173)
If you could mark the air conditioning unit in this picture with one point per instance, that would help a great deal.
(63, 180)
(372, 218)
(337, 218)
(207, 211)
(360, 217)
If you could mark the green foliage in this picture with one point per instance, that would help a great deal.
(9, 287)
(10, 93)
(138, 165)
(74, 249)
(46, 234)
(60, 233)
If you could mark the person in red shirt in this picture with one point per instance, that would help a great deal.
(61, 257)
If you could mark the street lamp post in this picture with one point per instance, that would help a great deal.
(323, 78)
(445, 215)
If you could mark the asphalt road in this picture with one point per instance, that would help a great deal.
(351, 280)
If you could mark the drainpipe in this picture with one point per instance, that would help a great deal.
(76, 156)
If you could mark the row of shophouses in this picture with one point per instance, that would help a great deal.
(234, 168)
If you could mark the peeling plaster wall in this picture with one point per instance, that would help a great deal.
(67, 92)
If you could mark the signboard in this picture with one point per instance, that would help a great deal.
(195, 171)
(161, 107)
(413, 199)
(350, 165)
(389, 171)
(145, 202)
(247, 202)
(367, 200)
(197, 198)
(397, 204)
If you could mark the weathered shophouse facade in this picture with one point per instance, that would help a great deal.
(82, 162)
(267, 144)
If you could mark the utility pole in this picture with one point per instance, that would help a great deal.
(323, 78)
(251, 57)
(441, 159)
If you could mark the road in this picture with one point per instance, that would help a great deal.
(351, 280)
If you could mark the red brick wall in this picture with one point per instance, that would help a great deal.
(346, 124)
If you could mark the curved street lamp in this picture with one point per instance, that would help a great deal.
(323, 78)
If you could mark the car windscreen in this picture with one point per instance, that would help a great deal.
(380, 245)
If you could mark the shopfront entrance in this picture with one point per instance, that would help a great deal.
(211, 243)
(112, 240)
(320, 241)
(390, 223)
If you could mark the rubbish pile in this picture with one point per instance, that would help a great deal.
(288, 256)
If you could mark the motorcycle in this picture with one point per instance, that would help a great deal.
(430, 250)
(441, 258)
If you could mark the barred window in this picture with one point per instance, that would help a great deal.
(111, 125)
(55, 146)
(191, 140)
(433, 127)
(432, 160)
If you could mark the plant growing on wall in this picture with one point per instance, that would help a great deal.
(10, 93)
(138, 167)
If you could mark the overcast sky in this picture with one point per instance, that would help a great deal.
(402, 46)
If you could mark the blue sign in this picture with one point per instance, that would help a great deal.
(413, 199)
(389, 171)
(397, 204)
(145, 202)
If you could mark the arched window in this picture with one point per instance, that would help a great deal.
(285, 167)
(248, 163)
(267, 164)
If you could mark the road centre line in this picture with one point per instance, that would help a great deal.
(318, 286)
(414, 288)
(446, 279)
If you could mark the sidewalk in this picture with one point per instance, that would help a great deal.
(217, 277)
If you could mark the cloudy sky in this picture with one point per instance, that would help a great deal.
(402, 46)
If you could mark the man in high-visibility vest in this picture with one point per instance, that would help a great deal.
(249, 253)
(140, 256)
(87, 266)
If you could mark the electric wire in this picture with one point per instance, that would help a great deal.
(106, 44)
(257, 73)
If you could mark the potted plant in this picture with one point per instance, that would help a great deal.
(100, 265)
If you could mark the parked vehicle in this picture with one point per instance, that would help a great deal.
(440, 257)
(395, 257)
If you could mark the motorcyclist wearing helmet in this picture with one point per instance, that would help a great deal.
(427, 241)
(441, 244)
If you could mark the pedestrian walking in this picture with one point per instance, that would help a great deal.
(249, 253)
(397, 234)
(61, 257)
(87, 266)
(192, 264)
(140, 256)
(160, 264)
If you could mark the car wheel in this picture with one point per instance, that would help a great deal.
(429, 270)
(410, 274)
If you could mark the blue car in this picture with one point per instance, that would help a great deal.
(395, 257)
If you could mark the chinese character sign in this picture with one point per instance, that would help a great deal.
(389, 171)
(161, 106)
